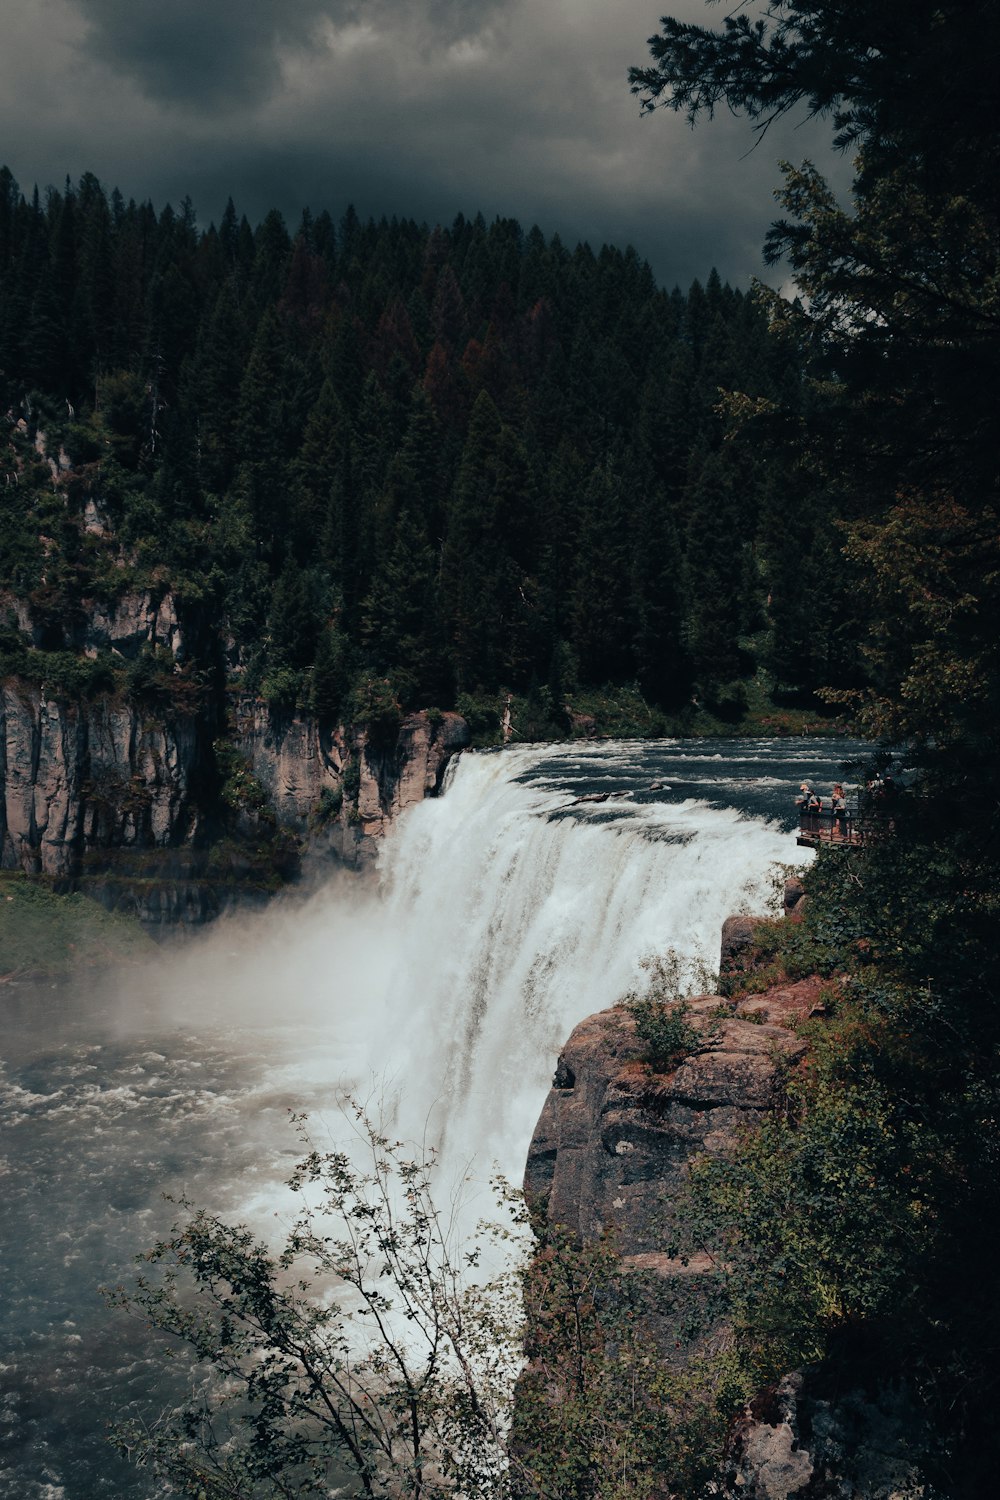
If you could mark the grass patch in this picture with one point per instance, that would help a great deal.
(46, 934)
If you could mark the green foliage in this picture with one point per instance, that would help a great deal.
(239, 788)
(351, 780)
(482, 716)
(475, 466)
(282, 689)
(359, 1349)
(601, 1412)
(374, 704)
(843, 1221)
(331, 800)
(46, 934)
(368, 1351)
(665, 1031)
(60, 674)
(662, 1014)
(328, 685)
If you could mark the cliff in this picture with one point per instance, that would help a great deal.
(80, 776)
(608, 1161)
(303, 766)
(153, 793)
(614, 1140)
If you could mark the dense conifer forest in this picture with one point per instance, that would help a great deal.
(390, 466)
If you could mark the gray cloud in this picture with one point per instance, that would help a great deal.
(421, 108)
(223, 52)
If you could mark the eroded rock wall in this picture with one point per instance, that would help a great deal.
(76, 776)
(104, 791)
(297, 763)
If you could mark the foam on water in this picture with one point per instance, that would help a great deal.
(510, 921)
(502, 914)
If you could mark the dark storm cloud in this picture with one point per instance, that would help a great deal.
(218, 52)
(422, 108)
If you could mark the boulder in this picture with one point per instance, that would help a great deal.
(794, 894)
(737, 940)
(797, 1443)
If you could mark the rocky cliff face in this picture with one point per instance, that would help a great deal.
(614, 1140)
(91, 775)
(132, 801)
(608, 1156)
(299, 765)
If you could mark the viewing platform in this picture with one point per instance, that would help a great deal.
(824, 828)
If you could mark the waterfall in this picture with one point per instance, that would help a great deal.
(510, 909)
(441, 992)
(504, 912)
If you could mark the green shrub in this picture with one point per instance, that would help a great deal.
(661, 1012)
(482, 716)
(331, 799)
(240, 789)
(281, 689)
(374, 703)
(668, 1035)
(351, 780)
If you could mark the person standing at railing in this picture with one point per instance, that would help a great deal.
(810, 806)
(838, 803)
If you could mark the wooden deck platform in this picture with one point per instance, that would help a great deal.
(812, 838)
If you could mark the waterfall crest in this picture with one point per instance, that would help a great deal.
(512, 909)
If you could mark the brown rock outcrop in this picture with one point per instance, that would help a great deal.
(614, 1140)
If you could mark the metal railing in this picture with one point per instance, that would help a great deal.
(824, 826)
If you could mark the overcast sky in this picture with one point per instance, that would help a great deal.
(422, 108)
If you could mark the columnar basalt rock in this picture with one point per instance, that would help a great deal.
(297, 762)
(294, 761)
(84, 784)
(395, 778)
(134, 621)
(76, 776)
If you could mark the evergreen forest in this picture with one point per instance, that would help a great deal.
(386, 467)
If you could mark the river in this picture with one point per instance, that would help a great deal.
(503, 913)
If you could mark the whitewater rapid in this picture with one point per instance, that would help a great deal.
(439, 992)
(514, 909)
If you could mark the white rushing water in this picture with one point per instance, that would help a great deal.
(505, 912)
(439, 992)
(513, 914)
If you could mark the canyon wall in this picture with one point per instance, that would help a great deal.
(163, 795)
(607, 1162)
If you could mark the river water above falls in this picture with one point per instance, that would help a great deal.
(504, 912)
